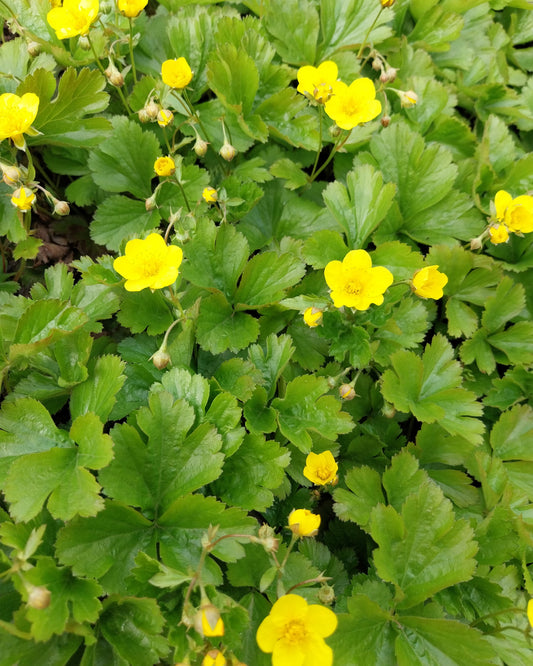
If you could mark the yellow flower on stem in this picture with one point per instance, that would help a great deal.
(164, 166)
(354, 104)
(214, 658)
(73, 18)
(303, 522)
(294, 632)
(428, 282)
(176, 73)
(321, 468)
(23, 198)
(16, 116)
(131, 8)
(516, 214)
(149, 263)
(313, 317)
(210, 195)
(208, 622)
(498, 234)
(317, 82)
(164, 117)
(354, 283)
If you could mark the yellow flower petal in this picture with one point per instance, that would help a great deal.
(357, 259)
(286, 653)
(501, 201)
(320, 620)
(318, 653)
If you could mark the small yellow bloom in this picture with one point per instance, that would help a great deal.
(303, 523)
(354, 283)
(214, 658)
(530, 612)
(516, 214)
(208, 622)
(498, 234)
(176, 73)
(149, 263)
(210, 194)
(321, 468)
(313, 317)
(164, 166)
(387, 3)
(131, 8)
(317, 82)
(408, 98)
(294, 632)
(354, 104)
(73, 18)
(16, 116)
(164, 117)
(23, 198)
(428, 282)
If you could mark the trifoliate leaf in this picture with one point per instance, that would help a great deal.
(364, 493)
(97, 393)
(221, 328)
(506, 303)
(271, 360)
(119, 218)
(512, 434)
(293, 27)
(266, 277)
(145, 309)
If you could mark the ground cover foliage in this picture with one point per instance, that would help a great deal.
(153, 442)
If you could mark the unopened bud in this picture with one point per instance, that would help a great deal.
(268, 539)
(164, 117)
(207, 621)
(160, 359)
(84, 43)
(388, 75)
(385, 121)
(39, 597)
(11, 174)
(200, 147)
(114, 77)
(326, 594)
(347, 392)
(387, 3)
(408, 98)
(376, 64)
(335, 131)
(61, 208)
(33, 48)
(476, 243)
(150, 203)
(389, 411)
(152, 109)
(143, 116)
(227, 152)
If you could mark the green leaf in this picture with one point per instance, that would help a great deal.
(97, 393)
(425, 641)
(251, 473)
(293, 26)
(305, 407)
(145, 310)
(399, 258)
(423, 549)
(436, 29)
(324, 246)
(359, 207)
(462, 320)
(478, 349)
(220, 328)
(508, 301)
(272, 359)
(133, 627)
(430, 388)
(233, 76)
(238, 377)
(266, 277)
(289, 171)
(405, 328)
(171, 464)
(510, 437)
(364, 493)
(105, 546)
(125, 162)
(119, 218)
(260, 417)
(516, 342)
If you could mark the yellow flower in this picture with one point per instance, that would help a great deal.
(23, 198)
(73, 18)
(164, 166)
(530, 612)
(354, 283)
(498, 234)
(176, 73)
(164, 117)
(294, 632)
(387, 3)
(517, 214)
(321, 468)
(318, 82)
(312, 317)
(149, 263)
(214, 658)
(208, 622)
(354, 104)
(16, 116)
(131, 8)
(303, 523)
(210, 194)
(428, 282)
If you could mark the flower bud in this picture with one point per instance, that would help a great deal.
(23, 198)
(214, 658)
(143, 116)
(476, 243)
(160, 359)
(303, 523)
(61, 208)
(152, 109)
(388, 411)
(334, 131)
(326, 594)
(150, 203)
(385, 121)
(376, 64)
(164, 117)
(387, 3)
(347, 392)
(408, 98)
(39, 597)
(84, 43)
(267, 538)
(207, 621)
(200, 147)
(313, 317)
(227, 152)
(388, 75)
(11, 174)
(210, 195)
(33, 48)
(114, 77)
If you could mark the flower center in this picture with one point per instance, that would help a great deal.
(151, 264)
(322, 92)
(323, 473)
(295, 632)
(353, 288)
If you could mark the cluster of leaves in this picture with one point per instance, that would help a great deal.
(112, 470)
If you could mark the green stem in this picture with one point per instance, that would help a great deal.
(319, 149)
(368, 33)
(184, 195)
(340, 143)
(195, 115)
(134, 71)
(522, 611)
(101, 68)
